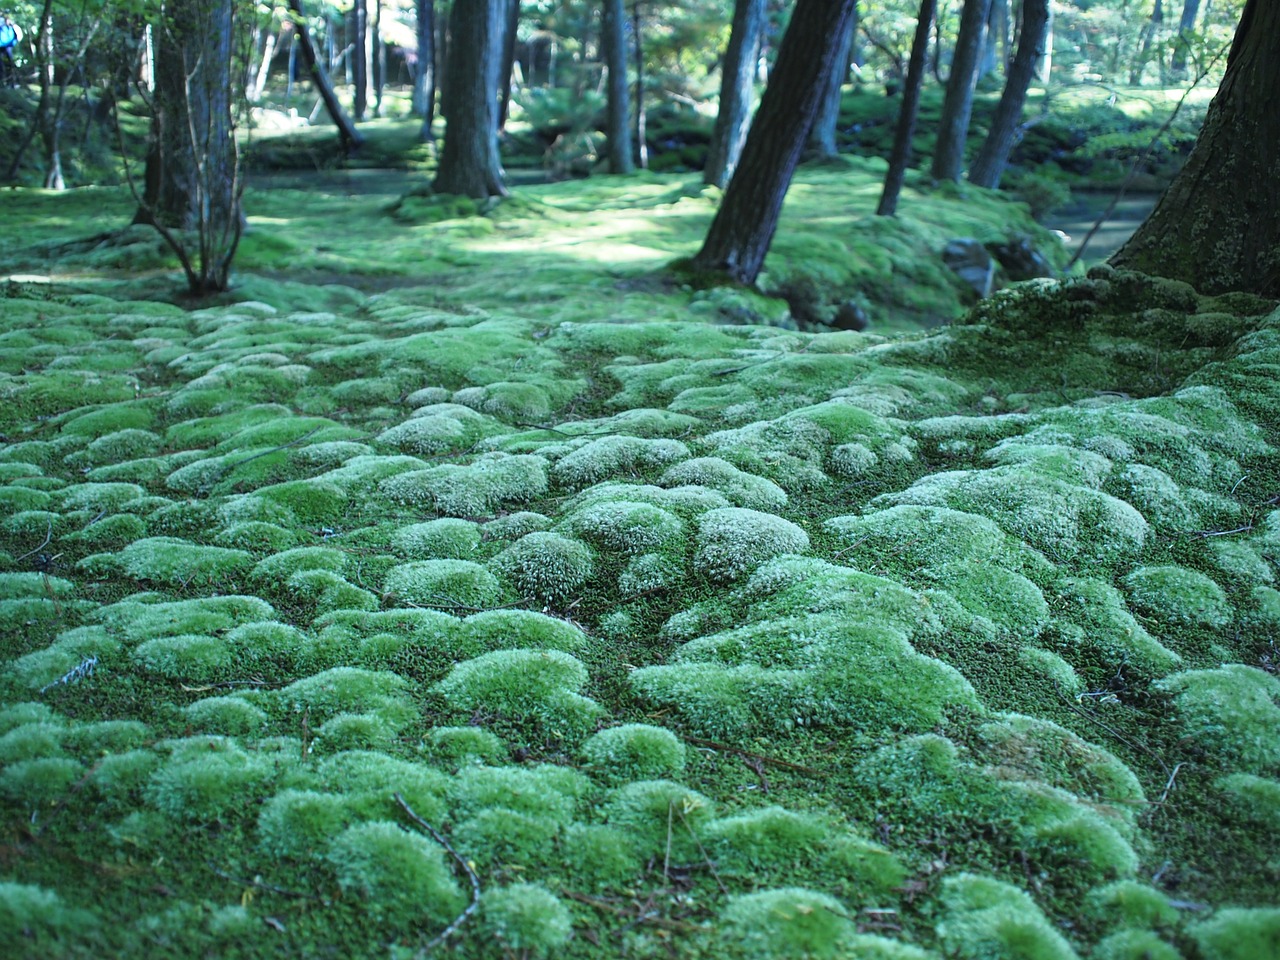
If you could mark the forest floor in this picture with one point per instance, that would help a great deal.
(690, 629)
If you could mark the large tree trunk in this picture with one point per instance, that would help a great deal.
(989, 165)
(618, 126)
(1218, 225)
(901, 154)
(957, 104)
(736, 83)
(469, 162)
(424, 80)
(822, 135)
(744, 225)
(351, 138)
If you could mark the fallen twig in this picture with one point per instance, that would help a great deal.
(772, 761)
(439, 838)
(260, 885)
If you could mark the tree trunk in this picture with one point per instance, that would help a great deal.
(377, 59)
(744, 225)
(1218, 225)
(424, 81)
(1148, 39)
(359, 60)
(510, 28)
(997, 17)
(989, 165)
(192, 175)
(347, 132)
(737, 80)
(822, 135)
(957, 104)
(1186, 27)
(264, 67)
(900, 156)
(1044, 69)
(642, 145)
(618, 130)
(469, 162)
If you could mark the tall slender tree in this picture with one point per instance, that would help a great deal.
(469, 162)
(1218, 225)
(351, 138)
(743, 228)
(957, 103)
(822, 135)
(993, 156)
(737, 80)
(618, 124)
(424, 79)
(900, 156)
(360, 59)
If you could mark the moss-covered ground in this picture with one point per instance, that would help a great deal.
(691, 634)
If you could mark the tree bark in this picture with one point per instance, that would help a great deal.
(992, 158)
(1218, 225)
(744, 225)
(900, 156)
(351, 138)
(469, 162)
(737, 80)
(424, 81)
(822, 135)
(618, 124)
(510, 28)
(360, 60)
(957, 103)
(642, 144)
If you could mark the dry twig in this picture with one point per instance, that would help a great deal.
(439, 838)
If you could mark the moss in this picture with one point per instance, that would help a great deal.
(742, 489)
(494, 481)
(539, 685)
(599, 856)
(1237, 933)
(465, 745)
(1010, 600)
(513, 526)
(527, 918)
(402, 877)
(32, 740)
(347, 690)
(616, 457)
(1178, 597)
(231, 716)
(1254, 799)
(441, 428)
(634, 751)
(369, 779)
(190, 657)
(1129, 904)
(99, 496)
(279, 567)
(215, 781)
(39, 920)
(256, 536)
(626, 527)
(501, 839)
(662, 818)
(315, 502)
(733, 541)
(990, 919)
(449, 583)
(329, 592)
(1134, 945)
(177, 562)
(113, 531)
(437, 539)
(507, 629)
(1103, 629)
(544, 790)
(355, 731)
(545, 566)
(789, 922)
(148, 615)
(1232, 711)
(119, 777)
(40, 781)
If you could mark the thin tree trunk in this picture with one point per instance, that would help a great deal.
(1218, 225)
(510, 30)
(957, 104)
(822, 136)
(351, 138)
(264, 67)
(1186, 27)
(989, 165)
(377, 59)
(737, 81)
(642, 145)
(424, 81)
(900, 157)
(1148, 39)
(614, 41)
(744, 225)
(1044, 69)
(359, 60)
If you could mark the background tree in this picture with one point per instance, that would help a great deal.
(1218, 225)
(192, 182)
(618, 125)
(744, 225)
(957, 104)
(737, 71)
(901, 153)
(424, 77)
(360, 59)
(993, 156)
(351, 138)
(822, 135)
(469, 162)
